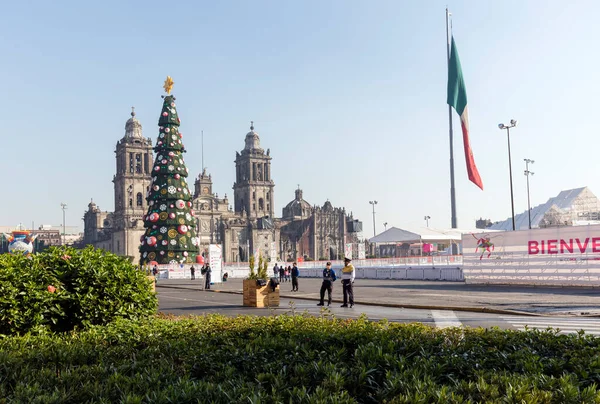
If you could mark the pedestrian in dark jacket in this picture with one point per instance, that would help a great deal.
(281, 273)
(295, 274)
(207, 273)
(193, 272)
(327, 285)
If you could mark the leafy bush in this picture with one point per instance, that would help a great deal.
(298, 359)
(64, 288)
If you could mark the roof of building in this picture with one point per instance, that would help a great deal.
(252, 139)
(563, 202)
(422, 234)
(133, 127)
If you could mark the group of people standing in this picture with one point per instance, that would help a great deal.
(329, 276)
(284, 274)
(206, 271)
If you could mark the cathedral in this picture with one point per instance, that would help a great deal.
(243, 226)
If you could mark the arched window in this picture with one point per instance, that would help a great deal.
(261, 204)
(139, 200)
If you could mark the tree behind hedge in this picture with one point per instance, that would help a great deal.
(63, 288)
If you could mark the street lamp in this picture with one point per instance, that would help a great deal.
(513, 123)
(385, 226)
(527, 174)
(64, 207)
(373, 203)
(427, 220)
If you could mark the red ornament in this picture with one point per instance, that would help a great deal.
(182, 229)
(192, 213)
(165, 114)
(157, 168)
(199, 259)
(151, 241)
(189, 204)
(171, 215)
(154, 217)
(177, 176)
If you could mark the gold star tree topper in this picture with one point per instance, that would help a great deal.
(168, 85)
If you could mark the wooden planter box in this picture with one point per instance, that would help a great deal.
(260, 296)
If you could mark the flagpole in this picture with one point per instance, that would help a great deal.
(452, 189)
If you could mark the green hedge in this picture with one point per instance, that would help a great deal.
(297, 359)
(64, 288)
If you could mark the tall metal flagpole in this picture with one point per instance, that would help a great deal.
(452, 189)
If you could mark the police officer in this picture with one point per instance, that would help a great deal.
(327, 285)
(347, 281)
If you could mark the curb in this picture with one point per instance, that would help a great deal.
(392, 305)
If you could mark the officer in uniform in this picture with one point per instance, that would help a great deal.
(327, 285)
(347, 281)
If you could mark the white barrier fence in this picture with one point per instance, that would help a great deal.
(562, 256)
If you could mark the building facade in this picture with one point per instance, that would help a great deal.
(243, 226)
(120, 231)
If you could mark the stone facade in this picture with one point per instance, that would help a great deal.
(120, 231)
(244, 226)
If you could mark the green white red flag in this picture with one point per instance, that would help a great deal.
(457, 98)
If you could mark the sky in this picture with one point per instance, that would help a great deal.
(349, 96)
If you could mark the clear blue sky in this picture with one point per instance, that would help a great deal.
(350, 96)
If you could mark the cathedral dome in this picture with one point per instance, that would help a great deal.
(252, 139)
(133, 127)
(297, 208)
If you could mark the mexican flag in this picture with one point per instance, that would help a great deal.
(457, 98)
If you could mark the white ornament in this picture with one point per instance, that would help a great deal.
(171, 189)
(167, 130)
(171, 168)
(163, 207)
(163, 229)
(173, 242)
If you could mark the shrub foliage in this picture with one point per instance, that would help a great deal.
(64, 288)
(297, 359)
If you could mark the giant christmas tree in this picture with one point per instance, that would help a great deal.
(170, 235)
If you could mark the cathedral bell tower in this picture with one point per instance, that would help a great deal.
(133, 177)
(253, 187)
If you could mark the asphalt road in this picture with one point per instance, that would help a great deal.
(198, 302)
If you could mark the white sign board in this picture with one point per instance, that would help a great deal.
(348, 250)
(361, 251)
(567, 255)
(215, 254)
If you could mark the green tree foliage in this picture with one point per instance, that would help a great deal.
(170, 235)
(63, 288)
(251, 262)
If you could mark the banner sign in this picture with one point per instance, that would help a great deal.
(561, 255)
(361, 251)
(348, 250)
(215, 257)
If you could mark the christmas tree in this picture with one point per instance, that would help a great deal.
(170, 235)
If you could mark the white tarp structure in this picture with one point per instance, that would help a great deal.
(569, 208)
(559, 256)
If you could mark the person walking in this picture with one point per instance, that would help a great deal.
(327, 285)
(347, 282)
(207, 277)
(275, 270)
(193, 272)
(295, 275)
(281, 273)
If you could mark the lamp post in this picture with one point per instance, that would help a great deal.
(427, 220)
(384, 226)
(64, 207)
(373, 203)
(513, 123)
(527, 174)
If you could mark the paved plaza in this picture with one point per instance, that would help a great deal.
(456, 296)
